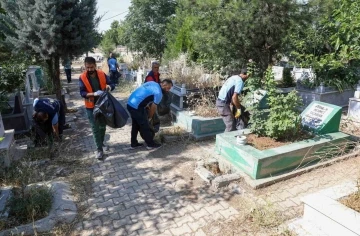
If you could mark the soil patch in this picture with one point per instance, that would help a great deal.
(213, 168)
(352, 201)
(263, 143)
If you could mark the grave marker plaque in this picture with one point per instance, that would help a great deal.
(321, 118)
(278, 72)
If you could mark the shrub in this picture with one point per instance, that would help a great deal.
(282, 120)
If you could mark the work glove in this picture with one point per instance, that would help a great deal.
(237, 113)
(108, 88)
(98, 93)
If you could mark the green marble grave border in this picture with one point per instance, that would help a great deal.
(199, 127)
(261, 164)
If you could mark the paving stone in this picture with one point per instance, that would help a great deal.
(121, 199)
(214, 208)
(197, 224)
(127, 212)
(119, 223)
(181, 230)
(185, 210)
(200, 232)
(198, 214)
(184, 219)
(134, 227)
(148, 232)
(108, 203)
(162, 227)
(228, 212)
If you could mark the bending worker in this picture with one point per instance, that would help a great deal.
(49, 118)
(229, 94)
(142, 105)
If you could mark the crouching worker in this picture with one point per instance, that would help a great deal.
(92, 84)
(49, 119)
(142, 105)
(228, 94)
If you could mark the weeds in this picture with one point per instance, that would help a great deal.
(29, 206)
(353, 201)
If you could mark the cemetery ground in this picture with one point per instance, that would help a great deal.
(137, 192)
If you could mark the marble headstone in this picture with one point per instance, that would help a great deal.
(321, 118)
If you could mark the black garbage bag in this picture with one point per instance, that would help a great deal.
(108, 110)
(243, 120)
(164, 106)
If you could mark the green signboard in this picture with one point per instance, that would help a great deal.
(321, 118)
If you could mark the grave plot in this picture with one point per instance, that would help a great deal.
(195, 111)
(324, 142)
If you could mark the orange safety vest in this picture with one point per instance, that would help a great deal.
(89, 102)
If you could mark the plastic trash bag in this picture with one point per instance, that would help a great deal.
(164, 106)
(108, 110)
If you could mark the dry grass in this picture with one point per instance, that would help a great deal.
(350, 126)
(353, 201)
(254, 219)
(192, 75)
(173, 131)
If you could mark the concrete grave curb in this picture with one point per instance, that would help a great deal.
(63, 210)
(215, 181)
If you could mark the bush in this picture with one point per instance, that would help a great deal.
(31, 206)
(282, 121)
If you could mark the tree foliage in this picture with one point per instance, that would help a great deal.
(145, 25)
(113, 37)
(224, 35)
(52, 30)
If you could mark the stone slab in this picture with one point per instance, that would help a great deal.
(225, 180)
(199, 127)
(325, 211)
(204, 174)
(260, 164)
(7, 148)
(354, 108)
(5, 195)
(332, 97)
(321, 118)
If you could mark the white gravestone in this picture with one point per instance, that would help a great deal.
(300, 73)
(278, 72)
(2, 129)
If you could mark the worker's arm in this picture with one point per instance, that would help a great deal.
(55, 125)
(83, 91)
(235, 100)
(56, 130)
(152, 110)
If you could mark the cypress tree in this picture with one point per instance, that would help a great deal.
(53, 30)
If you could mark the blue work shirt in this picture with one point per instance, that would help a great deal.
(112, 63)
(49, 106)
(146, 93)
(234, 84)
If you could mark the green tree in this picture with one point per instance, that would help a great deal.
(225, 34)
(145, 25)
(52, 30)
(113, 37)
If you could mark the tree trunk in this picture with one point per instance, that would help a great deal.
(59, 95)
(56, 79)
